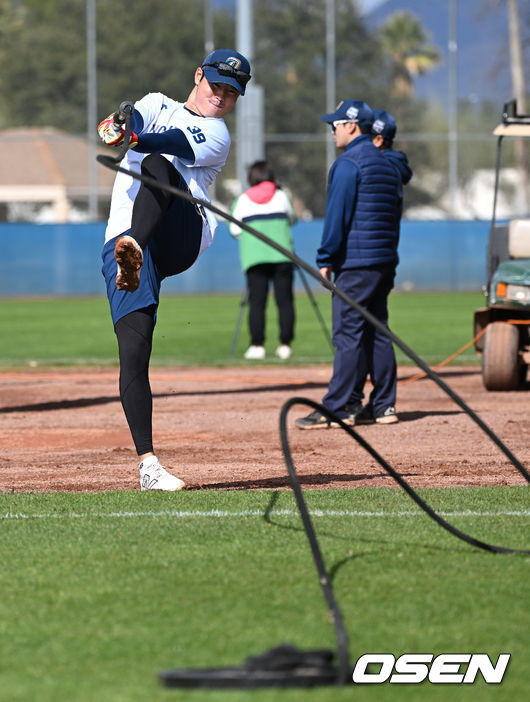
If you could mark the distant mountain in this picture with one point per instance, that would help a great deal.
(483, 70)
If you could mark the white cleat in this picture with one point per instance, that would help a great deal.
(255, 353)
(153, 476)
(283, 352)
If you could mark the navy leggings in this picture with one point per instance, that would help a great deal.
(169, 230)
(169, 225)
(135, 337)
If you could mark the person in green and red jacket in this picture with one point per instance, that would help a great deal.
(266, 208)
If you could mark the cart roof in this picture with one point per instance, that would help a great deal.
(512, 130)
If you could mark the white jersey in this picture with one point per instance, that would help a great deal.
(210, 142)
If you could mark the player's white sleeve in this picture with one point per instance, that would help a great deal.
(209, 140)
(149, 107)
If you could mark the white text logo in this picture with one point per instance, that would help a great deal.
(456, 668)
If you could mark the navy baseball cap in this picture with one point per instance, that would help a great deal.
(227, 66)
(352, 110)
(384, 124)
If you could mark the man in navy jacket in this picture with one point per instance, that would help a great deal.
(383, 132)
(359, 247)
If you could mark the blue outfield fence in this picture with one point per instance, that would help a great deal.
(65, 259)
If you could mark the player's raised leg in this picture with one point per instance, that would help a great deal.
(129, 258)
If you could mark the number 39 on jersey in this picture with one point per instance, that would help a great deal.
(198, 136)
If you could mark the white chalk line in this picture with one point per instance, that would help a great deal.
(223, 514)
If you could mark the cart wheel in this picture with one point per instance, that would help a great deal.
(500, 357)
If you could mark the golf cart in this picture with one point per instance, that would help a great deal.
(505, 345)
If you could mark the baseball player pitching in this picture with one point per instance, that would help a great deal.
(152, 234)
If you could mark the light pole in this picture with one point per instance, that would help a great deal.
(91, 108)
(249, 109)
(518, 87)
(208, 28)
(453, 108)
(330, 77)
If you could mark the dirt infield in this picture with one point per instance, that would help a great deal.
(218, 428)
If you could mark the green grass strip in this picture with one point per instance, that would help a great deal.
(100, 592)
(199, 330)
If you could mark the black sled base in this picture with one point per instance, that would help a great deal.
(283, 666)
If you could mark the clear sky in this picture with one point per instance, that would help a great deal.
(368, 5)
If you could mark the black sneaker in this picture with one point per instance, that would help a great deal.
(365, 415)
(368, 416)
(317, 420)
(354, 410)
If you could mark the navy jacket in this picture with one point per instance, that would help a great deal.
(400, 162)
(361, 226)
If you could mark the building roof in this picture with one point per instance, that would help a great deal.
(45, 156)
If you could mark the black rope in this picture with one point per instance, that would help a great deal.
(110, 162)
(383, 463)
(325, 584)
(317, 309)
(320, 661)
(340, 631)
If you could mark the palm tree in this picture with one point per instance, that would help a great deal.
(405, 41)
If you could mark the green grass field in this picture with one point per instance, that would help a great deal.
(101, 592)
(200, 330)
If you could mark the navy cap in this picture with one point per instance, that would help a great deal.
(236, 74)
(352, 110)
(384, 124)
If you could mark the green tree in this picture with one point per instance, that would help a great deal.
(155, 46)
(141, 47)
(290, 64)
(405, 41)
(41, 62)
(11, 20)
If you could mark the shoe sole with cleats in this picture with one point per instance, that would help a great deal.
(389, 419)
(129, 258)
(325, 425)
